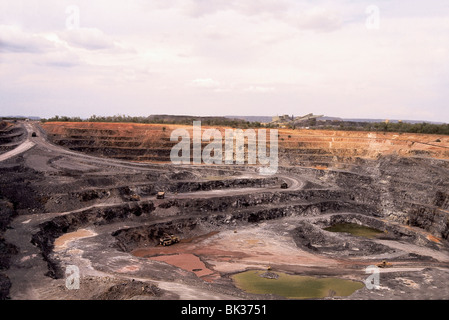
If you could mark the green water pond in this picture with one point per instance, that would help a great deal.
(355, 229)
(295, 286)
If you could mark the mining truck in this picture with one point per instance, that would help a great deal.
(134, 197)
(168, 240)
(384, 264)
(160, 195)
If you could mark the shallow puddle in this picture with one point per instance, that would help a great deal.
(62, 241)
(355, 229)
(295, 286)
(189, 262)
(186, 261)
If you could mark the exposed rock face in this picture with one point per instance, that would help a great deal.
(143, 142)
(432, 219)
(269, 275)
(129, 290)
(6, 249)
(10, 136)
(5, 285)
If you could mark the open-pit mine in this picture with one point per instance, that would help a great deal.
(98, 211)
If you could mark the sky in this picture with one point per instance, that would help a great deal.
(386, 59)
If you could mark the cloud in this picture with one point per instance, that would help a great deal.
(87, 38)
(205, 83)
(318, 19)
(216, 86)
(300, 15)
(59, 60)
(47, 49)
(13, 39)
(315, 54)
(211, 85)
(259, 89)
(199, 8)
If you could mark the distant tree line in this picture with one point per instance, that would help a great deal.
(95, 118)
(162, 119)
(401, 127)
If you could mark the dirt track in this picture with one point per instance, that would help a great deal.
(101, 215)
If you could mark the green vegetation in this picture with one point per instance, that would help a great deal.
(162, 119)
(94, 118)
(354, 229)
(401, 127)
(294, 286)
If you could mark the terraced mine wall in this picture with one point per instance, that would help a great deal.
(151, 142)
(240, 210)
(138, 190)
(211, 214)
(398, 178)
(402, 178)
(236, 202)
(177, 186)
(375, 188)
(192, 186)
(400, 173)
(131, 238)
(10, 136)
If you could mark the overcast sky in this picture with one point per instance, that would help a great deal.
(350, 58)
